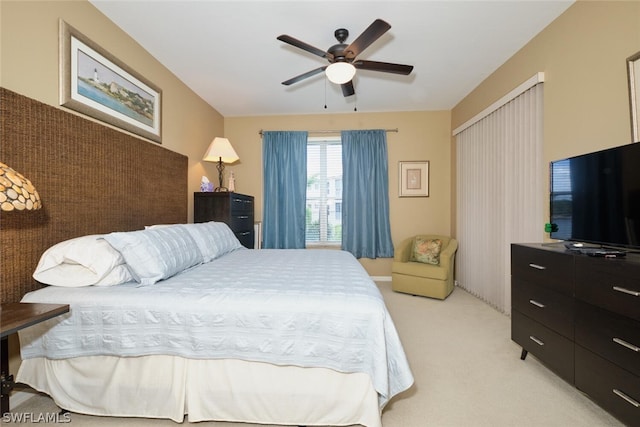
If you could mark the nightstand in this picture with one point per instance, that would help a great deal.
(13, 317)
(234, 209)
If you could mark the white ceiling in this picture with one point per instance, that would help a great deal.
(227, 52)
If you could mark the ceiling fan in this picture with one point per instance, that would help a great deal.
(342, 57)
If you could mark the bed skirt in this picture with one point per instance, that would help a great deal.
(204, 390)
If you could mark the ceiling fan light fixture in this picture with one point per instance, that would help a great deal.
(340, 72)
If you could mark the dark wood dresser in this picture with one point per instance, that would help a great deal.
(580, 316)
(234, 209)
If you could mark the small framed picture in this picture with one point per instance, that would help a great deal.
(414, 178)
(633, 71)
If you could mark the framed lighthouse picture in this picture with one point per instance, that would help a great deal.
(95, 83)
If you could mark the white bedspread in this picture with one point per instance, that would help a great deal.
(308, 308)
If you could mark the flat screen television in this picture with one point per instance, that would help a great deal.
(595, 198)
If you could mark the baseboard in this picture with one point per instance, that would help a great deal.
(381, 278)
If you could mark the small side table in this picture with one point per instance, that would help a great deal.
(13, 317)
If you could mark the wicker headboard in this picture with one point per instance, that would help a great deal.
(92, 179)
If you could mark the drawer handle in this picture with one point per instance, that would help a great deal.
(536, 303)
(244, 233)
(626, 344)
(627, 398)
(536, 340)
(538, 267)
(626, 291)
(238, 200)
(242, 217)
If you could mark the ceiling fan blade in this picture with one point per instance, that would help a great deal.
(304, 46)
(364, 40)
(385, 67)
(304, 76)
(347, 88)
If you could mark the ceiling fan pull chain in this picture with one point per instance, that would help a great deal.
(325, 92)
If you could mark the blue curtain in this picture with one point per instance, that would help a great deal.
(366, 232)
(284, 157)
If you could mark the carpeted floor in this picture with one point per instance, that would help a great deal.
(467, 372)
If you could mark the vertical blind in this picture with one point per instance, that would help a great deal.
(499, 195)
(324, 191)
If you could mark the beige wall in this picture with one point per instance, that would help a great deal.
(420, 136)
(29, 66)
(586, 100)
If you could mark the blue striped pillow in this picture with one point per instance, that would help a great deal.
(156, 254)
(214, 239)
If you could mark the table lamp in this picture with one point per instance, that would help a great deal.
(220, 151)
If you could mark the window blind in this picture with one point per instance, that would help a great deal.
(499, 195)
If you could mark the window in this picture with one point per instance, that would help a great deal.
(324, 191)
(561, 199)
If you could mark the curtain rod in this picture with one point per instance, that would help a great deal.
(332, 131)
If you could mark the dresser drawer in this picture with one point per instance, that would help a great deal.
(246, 238)
(551, 348)
(551, 269)
(240, 204)
(241, 222)
(552, 309)
(609, 283)
(611, 336)
(613, 388)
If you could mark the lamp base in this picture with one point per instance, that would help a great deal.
(220, 167)
(220, 190)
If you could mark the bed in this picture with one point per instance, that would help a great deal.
(98, 181)
(222, 324)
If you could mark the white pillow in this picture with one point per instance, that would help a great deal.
(120, 274)
(156, 253)
(82, 261)
(214, 239)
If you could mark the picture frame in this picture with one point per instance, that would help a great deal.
(633, 72)
(95, 83)
(414, 178)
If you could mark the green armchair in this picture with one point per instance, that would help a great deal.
(416, 278)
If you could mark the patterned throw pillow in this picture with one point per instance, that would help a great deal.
(427, 250)
(155, 254)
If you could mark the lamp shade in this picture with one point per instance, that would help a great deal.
(16, 191)
(340, 72)
(220, 149)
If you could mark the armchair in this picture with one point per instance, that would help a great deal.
(416, 278)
